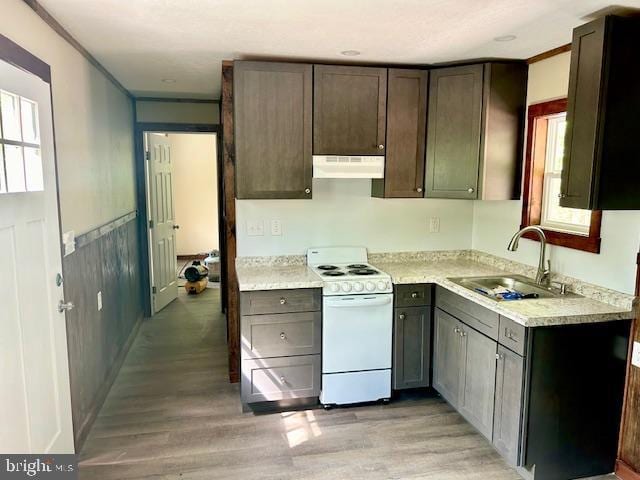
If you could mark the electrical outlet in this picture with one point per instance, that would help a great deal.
(276, 228)
(255, 228)
(434, 224)
(99, 301)
(635, 354)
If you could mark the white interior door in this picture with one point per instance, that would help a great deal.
(162, 229)
(35, 403)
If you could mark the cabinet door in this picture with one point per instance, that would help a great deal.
(477, 380)
(411, 347)
(583, 115)
(349, 115)
(406, 131)
(508, 405)
(453, 132)
(272, 118)
(446, 358)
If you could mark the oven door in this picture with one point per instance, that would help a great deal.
(357, 332)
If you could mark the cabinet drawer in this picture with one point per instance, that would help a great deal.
(512, 335)
(279, 378)
(281, 335)
(280, 301)
(474, 315)
(415, 295)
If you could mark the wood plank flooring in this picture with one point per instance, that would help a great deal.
(172, 414)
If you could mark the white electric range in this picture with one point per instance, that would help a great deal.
(357, 326)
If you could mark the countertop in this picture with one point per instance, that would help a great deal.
(598, 304)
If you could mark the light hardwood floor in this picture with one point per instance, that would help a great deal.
(172, 414)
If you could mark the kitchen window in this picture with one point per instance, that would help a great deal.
(568, 227)
(20, 156)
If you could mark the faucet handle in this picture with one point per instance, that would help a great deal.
(548, 267)
(561, 286)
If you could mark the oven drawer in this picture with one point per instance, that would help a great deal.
(280, 378)
(414, 295)
(281, 335)
(280, 301)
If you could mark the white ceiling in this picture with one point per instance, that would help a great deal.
(142, 42)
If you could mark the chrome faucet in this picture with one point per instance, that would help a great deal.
(543, 277)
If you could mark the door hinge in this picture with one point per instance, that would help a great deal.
(150, 223)
(153, 289)
(147, 155)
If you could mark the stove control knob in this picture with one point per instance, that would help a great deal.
(335, 287)
(346, 287)
(382, 285)
(358, 287)
(370, 286)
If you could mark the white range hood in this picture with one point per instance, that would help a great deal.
(343, 166)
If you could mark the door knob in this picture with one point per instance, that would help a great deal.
(176, 227)
(64, 307)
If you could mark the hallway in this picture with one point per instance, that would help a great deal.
(172, 414)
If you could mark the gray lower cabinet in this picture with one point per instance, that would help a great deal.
(446, 356)
(464, 370)
(280, 335)
(411, 347)
(507, 418)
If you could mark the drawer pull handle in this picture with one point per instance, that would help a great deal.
(283, 301)
(456, 330)
(510, 335)
(499, 356)
(283, 336)
(414, 295)
(463, 333)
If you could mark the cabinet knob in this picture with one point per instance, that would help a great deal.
(283, 336)
(381, 147)
(414, 294)
(283, 380)
(498, 356)
(283, 301)
(419, 189)
(456, 330)
(463, 333)
(562, 195)
(307, 190)
(470, 190)
(402, 316)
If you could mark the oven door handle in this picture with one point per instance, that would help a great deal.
(359, 302)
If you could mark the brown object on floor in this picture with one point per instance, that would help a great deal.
(193, 288)
(628, 463)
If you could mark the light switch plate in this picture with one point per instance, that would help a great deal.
(255, 228)
(635, 355)
(276, 228)
(69, 242)
(99, 301)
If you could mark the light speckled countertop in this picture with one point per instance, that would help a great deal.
(597, 304)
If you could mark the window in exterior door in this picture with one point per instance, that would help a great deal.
(20, 153)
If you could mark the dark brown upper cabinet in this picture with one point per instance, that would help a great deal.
(349, 113)
(601, 167)
(474, 131)
(406, 132)
(272, 121)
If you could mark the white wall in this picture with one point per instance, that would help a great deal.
(93, 125)
(177, 112)
(195, 191)
(343, 212)
(496, 222)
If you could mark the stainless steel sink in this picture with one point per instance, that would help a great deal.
(519, 283)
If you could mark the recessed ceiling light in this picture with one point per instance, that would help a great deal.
(350, 53)
(169, 80)
(505, 38)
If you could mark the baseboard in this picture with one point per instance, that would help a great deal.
(80, 436)
(625, 472)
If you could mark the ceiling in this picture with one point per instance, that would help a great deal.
(142, 42)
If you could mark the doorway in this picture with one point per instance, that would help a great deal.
(179, 182)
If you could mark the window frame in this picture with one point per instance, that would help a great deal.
(532, 193)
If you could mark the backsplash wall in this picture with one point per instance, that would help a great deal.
(342, 212)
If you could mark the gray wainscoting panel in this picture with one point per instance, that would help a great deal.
(99, 340)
